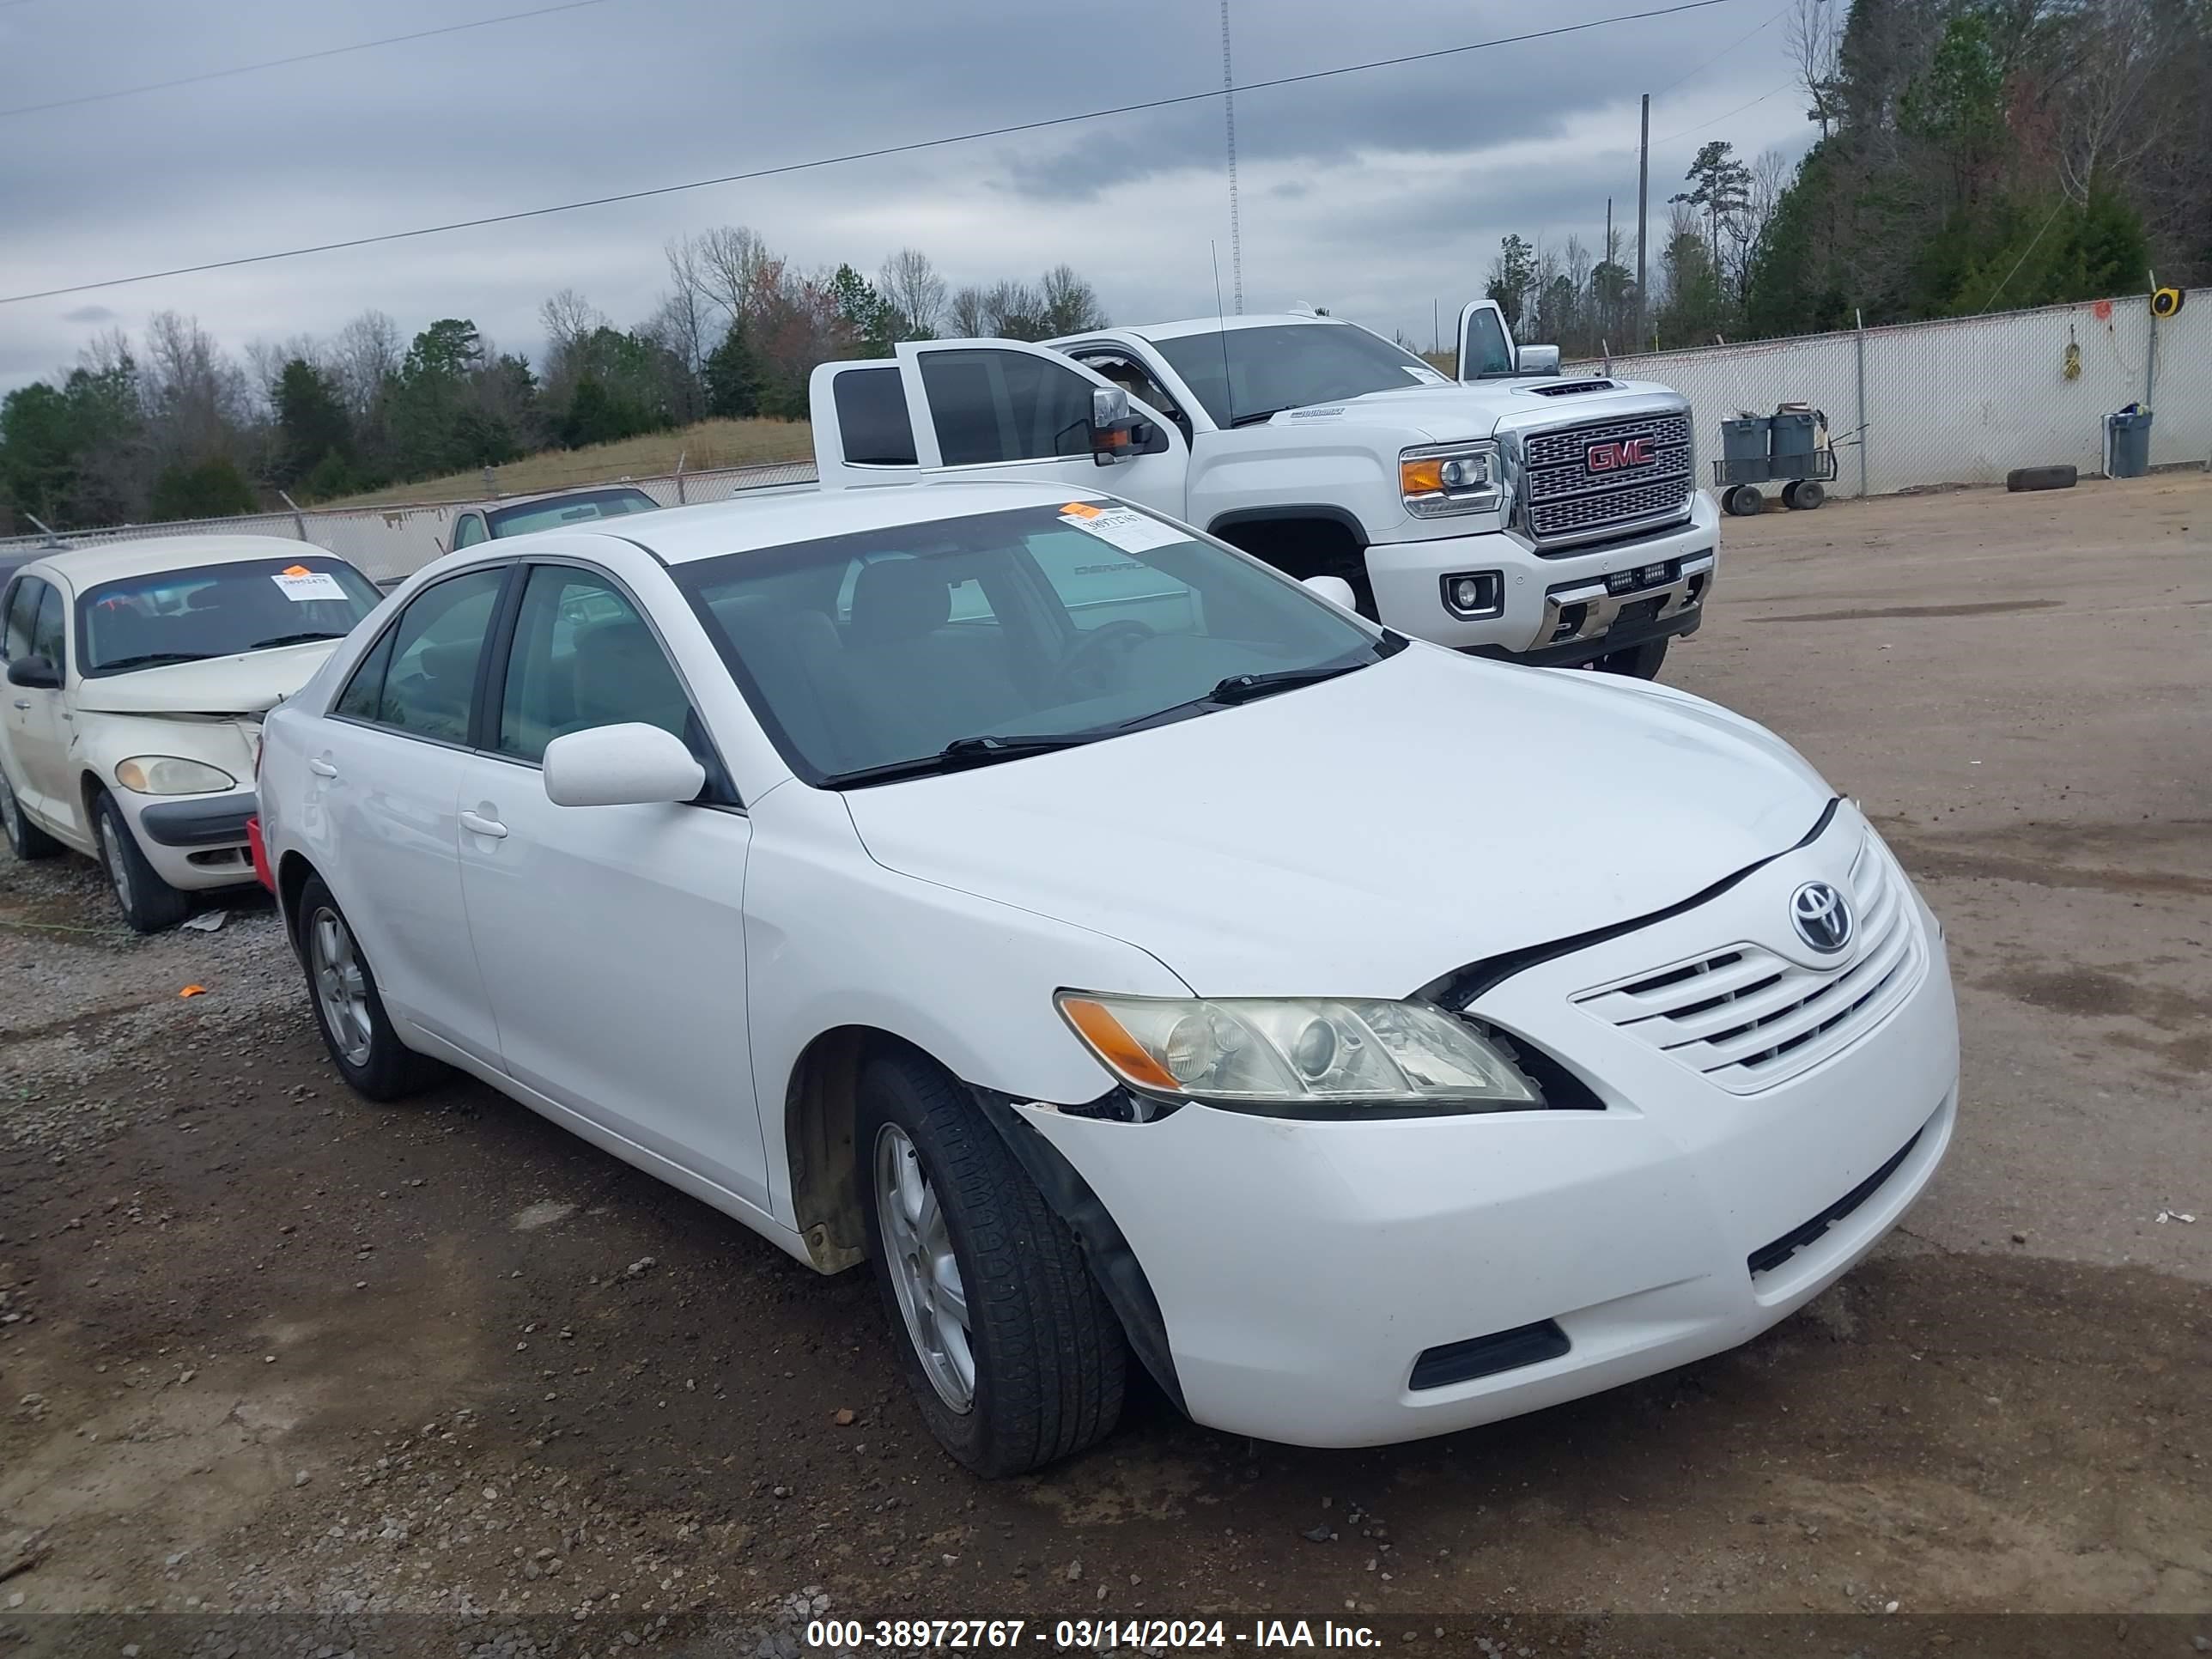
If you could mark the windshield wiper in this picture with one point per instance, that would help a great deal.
(295, 638)
(1242, 688)
(151, 659)
(962, 753)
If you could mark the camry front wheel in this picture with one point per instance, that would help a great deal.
(1011, 1351)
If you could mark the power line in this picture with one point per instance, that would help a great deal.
(1718, 119)
(859, 155)
(1722, 53)
(300, 58)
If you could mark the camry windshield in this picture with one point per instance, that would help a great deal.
(170, 617)
(962, 641)
(1288, 366)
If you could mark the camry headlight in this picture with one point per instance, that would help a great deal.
(1299, 1053)
(1445, 479)
(172, 775)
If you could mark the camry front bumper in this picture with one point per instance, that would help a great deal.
(1349, 1283)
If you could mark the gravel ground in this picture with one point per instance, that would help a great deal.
(266, 1347)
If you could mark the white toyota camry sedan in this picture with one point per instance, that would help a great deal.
(1136, 957)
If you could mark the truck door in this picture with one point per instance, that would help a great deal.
(1004, 409)
(1486, 344)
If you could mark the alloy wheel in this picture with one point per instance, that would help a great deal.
(118, 867)
(925, 1276)
(341, 985)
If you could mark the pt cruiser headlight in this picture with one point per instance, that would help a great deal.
(1440, 479)
(171, 775)
(1316, 1055)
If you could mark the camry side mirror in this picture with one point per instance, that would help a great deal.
(1337, 591)
(629, 765)
(37, 672)
(1536, 360)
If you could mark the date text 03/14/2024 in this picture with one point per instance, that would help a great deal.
(1092, 1635)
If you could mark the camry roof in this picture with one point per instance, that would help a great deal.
(806, 514)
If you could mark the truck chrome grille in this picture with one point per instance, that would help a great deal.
(1566, 497)
(1749, 1019)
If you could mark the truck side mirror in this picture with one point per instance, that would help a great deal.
(1536, 360)
(1113, 428)
(37, 672)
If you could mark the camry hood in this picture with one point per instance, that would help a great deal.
(251, 682)
(1365, 835)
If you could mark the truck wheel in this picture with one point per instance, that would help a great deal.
(1638, 661)
(28, 841)
(1744, 501)
(2040, 477)
(149, 904)
(1803, 496)
(348, 1010)
(1004, 1335)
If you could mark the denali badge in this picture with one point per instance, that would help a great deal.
(1611, 457)
(1822, 915)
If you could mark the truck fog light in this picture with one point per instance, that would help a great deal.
(1475, 593)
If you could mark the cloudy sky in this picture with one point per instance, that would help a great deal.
(1377, 194)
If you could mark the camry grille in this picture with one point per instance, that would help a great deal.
(1749, 1019)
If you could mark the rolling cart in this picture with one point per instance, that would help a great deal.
(1789, 447)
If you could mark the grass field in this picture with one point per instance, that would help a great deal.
(709, 444)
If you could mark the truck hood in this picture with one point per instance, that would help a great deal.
(251, 682)
(1363, 836)
(1448, 413)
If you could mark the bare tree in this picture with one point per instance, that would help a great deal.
(909, 284)
(1070, 303)
(196, 397)
(364, 356)
(730, 260)
(1815, 38)
(969, 313)
(568, 317)
(2119, 50)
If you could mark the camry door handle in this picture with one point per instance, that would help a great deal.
(322, 768)
(477, 825)
(22, 703)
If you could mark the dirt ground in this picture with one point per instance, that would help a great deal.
(267, 1346)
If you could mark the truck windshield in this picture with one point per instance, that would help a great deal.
(219, 611)
(1288, 366)
(896, 652)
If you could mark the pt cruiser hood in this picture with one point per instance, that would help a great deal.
(1363, 836)
(252, 682)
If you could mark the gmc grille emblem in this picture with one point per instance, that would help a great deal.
(1611, 457)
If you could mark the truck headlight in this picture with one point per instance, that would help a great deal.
(1313, 1056)
(1445, 479)
(171, 775)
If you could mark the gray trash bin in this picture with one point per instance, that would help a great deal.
(2127, 440)
(1743, 449)
(1794, 435)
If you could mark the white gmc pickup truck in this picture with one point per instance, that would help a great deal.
(1509, 513)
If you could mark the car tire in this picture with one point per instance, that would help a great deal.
(348, 1010)
(2041, 477)
(1023, 1362)
(1637, 661)
(149, 904)
(26, 840)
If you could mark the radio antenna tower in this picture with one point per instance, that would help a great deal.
(1229, 116)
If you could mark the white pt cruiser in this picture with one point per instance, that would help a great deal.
(1071, 915)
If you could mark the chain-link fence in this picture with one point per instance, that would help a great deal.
(388, 542)
(1965, 400)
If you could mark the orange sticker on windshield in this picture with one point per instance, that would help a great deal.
(298, 570)
(1079, 510)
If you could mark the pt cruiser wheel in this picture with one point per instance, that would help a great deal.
(149, 904)
(1011, 1351)
(348, 1009)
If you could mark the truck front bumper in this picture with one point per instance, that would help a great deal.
(1555, 609)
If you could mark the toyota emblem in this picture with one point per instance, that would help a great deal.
(1823, 916)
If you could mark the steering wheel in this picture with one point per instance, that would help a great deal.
(1091, 652)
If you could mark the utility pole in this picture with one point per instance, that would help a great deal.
(1642, 202)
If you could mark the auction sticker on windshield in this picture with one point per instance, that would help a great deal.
(300, 584)
(1120, 527)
